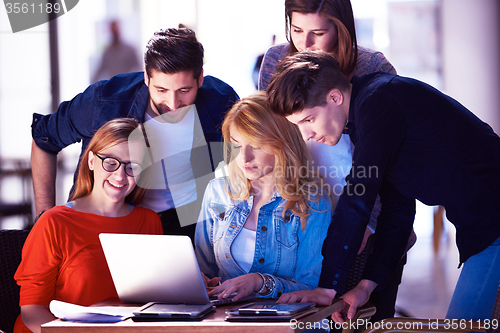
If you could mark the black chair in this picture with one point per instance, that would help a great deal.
(11, 245)
(18, 170)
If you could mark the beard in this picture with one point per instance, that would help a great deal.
(168, 115)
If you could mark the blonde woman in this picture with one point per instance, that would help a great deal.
(261, 228)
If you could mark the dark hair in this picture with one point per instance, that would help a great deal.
(339, 12)
(174, 50)
(303, 80)
(113, 132)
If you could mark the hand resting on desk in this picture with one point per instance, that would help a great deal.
(320, 296)
(353, 299)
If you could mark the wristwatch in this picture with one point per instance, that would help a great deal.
(38, 216)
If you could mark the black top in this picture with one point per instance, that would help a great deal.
(412, 142)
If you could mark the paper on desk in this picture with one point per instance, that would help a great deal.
(73, 312)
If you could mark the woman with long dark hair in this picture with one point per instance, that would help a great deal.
(328, 25)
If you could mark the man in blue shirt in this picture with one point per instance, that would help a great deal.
(182, 111)
(411, 142)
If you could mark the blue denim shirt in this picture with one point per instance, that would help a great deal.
(123, 96)
(282, 249)
(126, 96)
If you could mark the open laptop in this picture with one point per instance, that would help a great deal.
(155, 268)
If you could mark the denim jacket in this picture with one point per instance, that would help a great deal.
(126, 96)
(282, 249)
(123, 96)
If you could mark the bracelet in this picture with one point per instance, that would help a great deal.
(263, 283)
(269, 284)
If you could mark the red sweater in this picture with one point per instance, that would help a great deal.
(63, 259)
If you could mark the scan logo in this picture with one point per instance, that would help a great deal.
(26, 14)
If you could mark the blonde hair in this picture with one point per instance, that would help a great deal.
(294, 180)
(112, 133)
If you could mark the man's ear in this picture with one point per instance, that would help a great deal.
(200, 79)
(146, 77)
(336, 96)
(91, 160)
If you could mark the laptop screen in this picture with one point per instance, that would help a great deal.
(154, 268)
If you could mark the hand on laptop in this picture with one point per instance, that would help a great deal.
(210, 283)
(242, 286)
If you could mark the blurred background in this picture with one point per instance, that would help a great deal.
(453, 45)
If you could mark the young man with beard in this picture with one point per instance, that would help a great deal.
(182, 112)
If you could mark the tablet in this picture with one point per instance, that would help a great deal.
(152, 311)
(270, 309)
(271, 318)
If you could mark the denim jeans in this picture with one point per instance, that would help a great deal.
(477, 286)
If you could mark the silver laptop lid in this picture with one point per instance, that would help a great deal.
(154, 268)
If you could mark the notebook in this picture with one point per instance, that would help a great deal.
(155, 268)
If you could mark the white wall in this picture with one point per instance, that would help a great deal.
(233, 33)
(471, 56)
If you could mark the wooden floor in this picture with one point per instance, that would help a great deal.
(429, 276)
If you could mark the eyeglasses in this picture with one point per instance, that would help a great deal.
(111, 164)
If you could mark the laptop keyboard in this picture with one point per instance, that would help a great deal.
(217, 301)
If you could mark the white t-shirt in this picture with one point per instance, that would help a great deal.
(172, 182)
(243, 249)
(334, 163)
